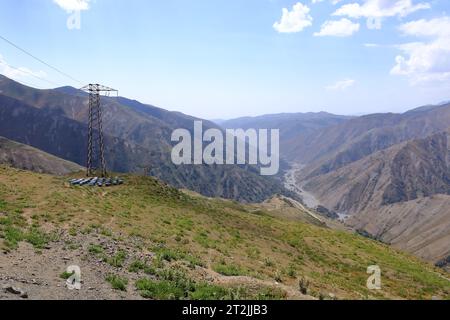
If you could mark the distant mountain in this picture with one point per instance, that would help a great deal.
(400, 195)
(218, 121)
(290, 124)
(336, 146)
(390, 173)
(24, 157)
(58, 135)
(138, 137)
(72, 91)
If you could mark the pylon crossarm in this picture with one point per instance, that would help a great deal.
(98, 88)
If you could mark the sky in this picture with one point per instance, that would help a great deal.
(221, 59)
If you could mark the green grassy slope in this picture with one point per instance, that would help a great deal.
(213, 235)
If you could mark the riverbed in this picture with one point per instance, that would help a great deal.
(291, 183)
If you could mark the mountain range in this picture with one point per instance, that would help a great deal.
(137, 139)
(386, 175)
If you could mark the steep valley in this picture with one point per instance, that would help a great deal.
(398, 195)
(385, 175)
(138, 139)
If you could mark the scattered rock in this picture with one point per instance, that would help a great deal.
(11, 289)
(327, 213)
(14, 290)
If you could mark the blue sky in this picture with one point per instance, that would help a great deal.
(230, 58)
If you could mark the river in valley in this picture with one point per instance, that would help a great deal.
(291, 183)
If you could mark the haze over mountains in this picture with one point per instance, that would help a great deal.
(291, 125)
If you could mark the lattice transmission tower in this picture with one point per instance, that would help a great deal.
(96, 144)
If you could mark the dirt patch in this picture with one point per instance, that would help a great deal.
(38, 273)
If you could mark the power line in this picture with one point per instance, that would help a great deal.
(41, 61)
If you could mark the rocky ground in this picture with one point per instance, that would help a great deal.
(38, 273)
(27, 273)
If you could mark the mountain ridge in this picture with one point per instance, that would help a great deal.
(28, 158)
(383, 194)
(138, 136)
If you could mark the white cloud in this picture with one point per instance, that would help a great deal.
(295, 20)
(428, 59)
(341, 85)
(334, 2)
(73, 5)
(439, 27)
(18, 73)
(376, 10)
(339, 28)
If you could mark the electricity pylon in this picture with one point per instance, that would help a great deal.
(96, 144)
